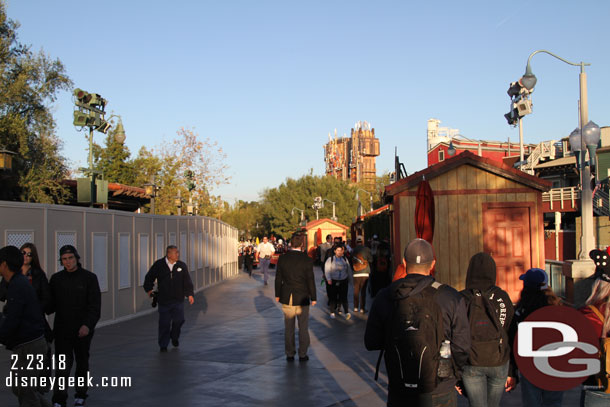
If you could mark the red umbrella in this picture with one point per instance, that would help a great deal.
(424, 212)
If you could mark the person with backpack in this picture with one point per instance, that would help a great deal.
(422, 330)
(596, 391)
(490, 312)
(361, 264)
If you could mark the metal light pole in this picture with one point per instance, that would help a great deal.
(587, 240)
(334, 218)
(370, 197)
(302, 215)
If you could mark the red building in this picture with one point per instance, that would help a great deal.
(440, 139)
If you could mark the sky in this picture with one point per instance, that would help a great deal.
(269, 80)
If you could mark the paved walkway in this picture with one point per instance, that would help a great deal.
(232, 354)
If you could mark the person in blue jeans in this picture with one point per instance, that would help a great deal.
(490, 312)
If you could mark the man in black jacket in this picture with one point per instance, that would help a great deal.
(295, 289)
(22, 330)
(77, 302)
(173, 284)
(419, 260)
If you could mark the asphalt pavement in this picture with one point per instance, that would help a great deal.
(231, 353)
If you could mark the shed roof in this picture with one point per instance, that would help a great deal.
(316, 223)
(468, 158)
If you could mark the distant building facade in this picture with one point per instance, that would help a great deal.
(439, 139)
(353, 158)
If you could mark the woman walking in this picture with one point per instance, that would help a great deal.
(337, 272)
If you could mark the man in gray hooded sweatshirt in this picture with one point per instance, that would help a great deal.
(490, 312)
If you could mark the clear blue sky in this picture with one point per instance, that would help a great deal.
(270, 79)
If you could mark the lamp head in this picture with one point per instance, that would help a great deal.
(574, 140)
(528, 80)
(451, 150)
(119, 135)
(591, 134)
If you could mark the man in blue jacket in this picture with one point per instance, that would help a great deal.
(22, 328)
(173, 284)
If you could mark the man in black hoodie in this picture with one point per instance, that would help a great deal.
(173, 283)
(22, 329)
(419, 261)
(77, 302)
(490, 311)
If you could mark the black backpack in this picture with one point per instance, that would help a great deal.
(413, 340)
(489, 340)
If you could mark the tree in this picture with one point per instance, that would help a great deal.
(244, 216)
(29, 82)
(113, 160)
(277, 203)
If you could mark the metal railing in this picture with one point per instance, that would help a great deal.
(546, 149)
(560, 195)
(600, 203)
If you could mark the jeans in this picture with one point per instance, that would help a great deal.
(360, 291)
(25, 354)
(425, 400)
(484, 385)
(532, 396)
(594, 398)
(337, 295)
(171, 319)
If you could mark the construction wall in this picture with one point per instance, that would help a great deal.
(119, 247)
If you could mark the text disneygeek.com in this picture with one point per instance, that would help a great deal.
(62, 383)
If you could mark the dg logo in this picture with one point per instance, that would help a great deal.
(556, 348)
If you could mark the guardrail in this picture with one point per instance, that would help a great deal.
(571, 194)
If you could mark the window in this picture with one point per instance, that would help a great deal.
(441, 155)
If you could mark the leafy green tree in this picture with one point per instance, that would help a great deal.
(29, 83)
(277, 203)
(113, 160)
(244, 216)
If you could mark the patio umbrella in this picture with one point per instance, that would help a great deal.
(424, 212)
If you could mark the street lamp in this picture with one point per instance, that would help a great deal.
(370, 197)
(451, 150)
(6, 159)
(151, 190)
(334, 218)
(292, 213)
(528, 81)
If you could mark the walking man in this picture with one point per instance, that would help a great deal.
(295, 289)
(76, 300)
(22, 329)
(173, 285)
(412, 316)
(264, 253)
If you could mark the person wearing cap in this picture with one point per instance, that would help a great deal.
(22, 329)
(418, 259)
(76, 301)
(597, 311)
(535, 294)
(361, 257)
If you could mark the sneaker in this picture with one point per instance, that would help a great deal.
(332, 315)
(175, 342)
(355, 309)
(339, 312)
(348, 315)
(163, 349)
(362, 310)
(303, 358)
(79, 402)
(58, 405)
(290, 358)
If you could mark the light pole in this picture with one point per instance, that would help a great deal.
(151, 190)
(587, 239)
(302, 215)
(370, 197)
(334, 218)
